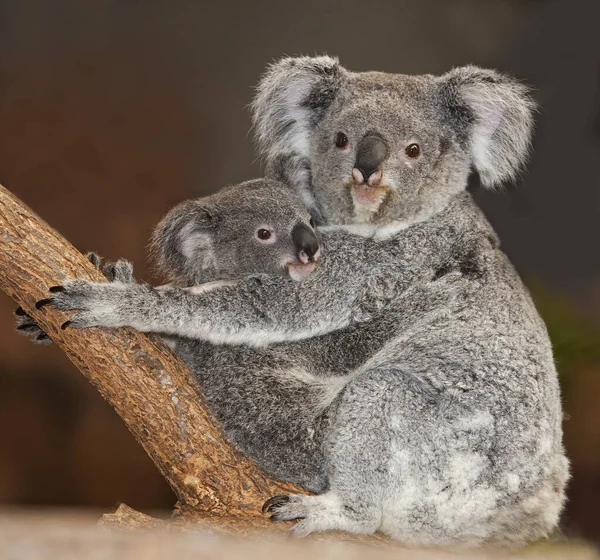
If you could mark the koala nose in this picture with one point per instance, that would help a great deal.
(305, 243)
(371, 152)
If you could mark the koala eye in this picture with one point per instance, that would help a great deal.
(341, 140)
(312, 223)
(265, 235)
(413, 150)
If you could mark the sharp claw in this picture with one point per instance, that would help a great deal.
(65, 325)
(42, 336)
(273, 502)
(43, 302)
(56, 289)
(24, 327)
(20, 311)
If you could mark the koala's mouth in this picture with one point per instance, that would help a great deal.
(367, 199)
(299, 271)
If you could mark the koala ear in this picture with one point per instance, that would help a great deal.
(493, 114)
(294, 171)
(184, 233)
(291, 98)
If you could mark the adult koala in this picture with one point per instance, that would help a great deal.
(444, 425)
(452, 432)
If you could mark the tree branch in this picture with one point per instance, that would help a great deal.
(149, 387)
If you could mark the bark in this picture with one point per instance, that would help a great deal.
(149, 387)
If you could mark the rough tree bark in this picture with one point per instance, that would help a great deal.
(148, 386)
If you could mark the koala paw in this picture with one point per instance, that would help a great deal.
(27, 326)
(285, 508)
(96, 304)
(119, 271)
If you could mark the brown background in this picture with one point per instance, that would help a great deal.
(113, 111)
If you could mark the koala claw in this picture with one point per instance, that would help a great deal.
(56, 289)
(273, 503)
(43, 302)
(29, 328)
(286, 508)
(65, 325)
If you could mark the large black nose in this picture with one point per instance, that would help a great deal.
(371, 152)
(305, 242)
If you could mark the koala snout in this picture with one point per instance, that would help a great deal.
(371, 152)
(305, 243)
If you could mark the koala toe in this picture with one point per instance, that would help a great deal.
(27, 326)
(272, 503)
(286, 508)
(95, 259)
(120, 271)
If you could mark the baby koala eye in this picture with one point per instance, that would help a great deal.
(265, 235)
(413, 150)
(341, 140)
(312, 223)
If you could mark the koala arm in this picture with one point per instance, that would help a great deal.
(345, 288)
(358, 277)
(257, 311)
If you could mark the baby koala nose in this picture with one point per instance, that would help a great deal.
(306, 243)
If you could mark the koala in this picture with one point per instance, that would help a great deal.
(436, 413)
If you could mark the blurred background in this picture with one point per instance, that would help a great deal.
(112, 111)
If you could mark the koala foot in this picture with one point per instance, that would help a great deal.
(324, 512)
(27, 326)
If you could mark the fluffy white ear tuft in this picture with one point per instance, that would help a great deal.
(291, 98)
(494, 114)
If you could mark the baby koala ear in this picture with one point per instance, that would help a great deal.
(290, 100)
(493, 114)
(185, 234)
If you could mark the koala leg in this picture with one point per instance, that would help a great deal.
(357, 451)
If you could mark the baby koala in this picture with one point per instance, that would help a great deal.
(256, 227)
(260, 226)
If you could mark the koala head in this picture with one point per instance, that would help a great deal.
(375, 148)
(259, 226)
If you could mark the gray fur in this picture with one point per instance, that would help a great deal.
(413, 359)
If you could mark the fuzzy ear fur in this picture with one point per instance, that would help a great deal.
(291, 98)
(493, 113)
(291, 169)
